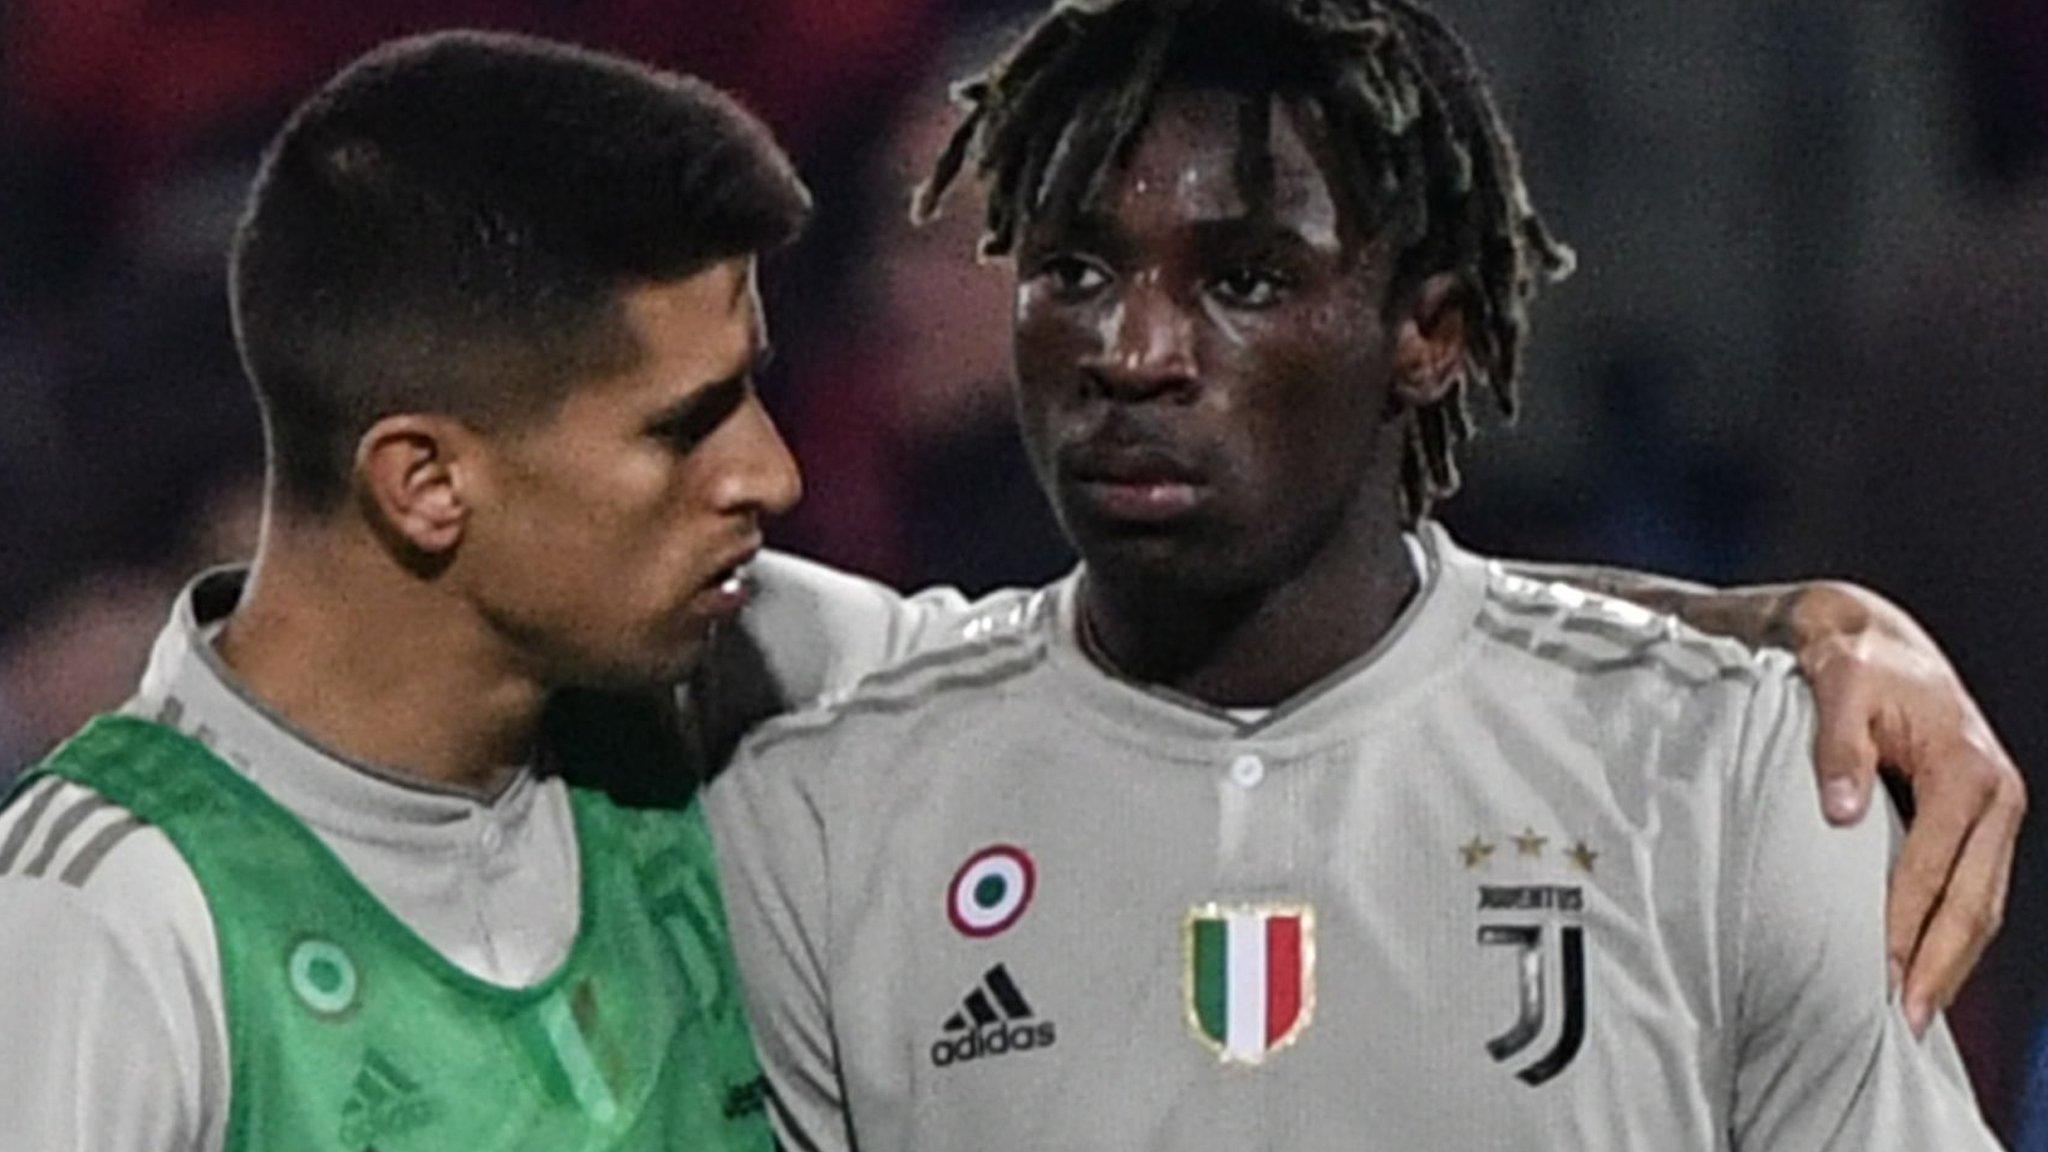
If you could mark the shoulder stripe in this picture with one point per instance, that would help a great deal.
(1608, 628)
(998, 661)
(17, 839)
(1655, 654)
(96, 850)
(936, 662)
(1521, 602)
(984, 633)
(64, 826)
(1504, 632)
(904, 701)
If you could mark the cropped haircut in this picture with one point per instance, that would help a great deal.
(448, 226)
(1422, 158)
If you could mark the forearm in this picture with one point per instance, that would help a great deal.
(1888, 697)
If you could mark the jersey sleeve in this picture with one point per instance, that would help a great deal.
(110, 1023)
(772, 858)
(820, 629)
(1824, 1057)
(810, 632)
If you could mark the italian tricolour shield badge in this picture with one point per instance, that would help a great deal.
(1250, 977)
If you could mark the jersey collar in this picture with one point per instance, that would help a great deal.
(187, 686)
(1425, 642)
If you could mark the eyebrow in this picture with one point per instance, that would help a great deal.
(692, 417)
(1090, 230)
(1097, 232)
(1248, 231)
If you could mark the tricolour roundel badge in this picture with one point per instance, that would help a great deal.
(991, 890)
(323, 977)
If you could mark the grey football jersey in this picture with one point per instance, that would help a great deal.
(1542, 871)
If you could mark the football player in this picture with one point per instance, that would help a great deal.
(1286, 822)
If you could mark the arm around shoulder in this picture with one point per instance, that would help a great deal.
(1824, 1057)
(820, 629)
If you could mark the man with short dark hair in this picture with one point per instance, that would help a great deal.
(498, 298)
(1284, 822)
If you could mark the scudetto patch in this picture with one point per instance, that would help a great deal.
(1250, 977)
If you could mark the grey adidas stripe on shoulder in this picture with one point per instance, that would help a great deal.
(77, 812)
(913, 683)
(1587, 639)
(98, 848)
(26, 813)
(47, 819)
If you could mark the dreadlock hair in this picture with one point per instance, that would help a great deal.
(1424, 162)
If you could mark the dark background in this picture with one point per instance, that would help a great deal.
(1809, 336)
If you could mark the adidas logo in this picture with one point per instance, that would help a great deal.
(385, 1102)
(993, 1020)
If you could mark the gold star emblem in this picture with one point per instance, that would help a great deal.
(1477, 852)
(1529, 843)
(1583, 856)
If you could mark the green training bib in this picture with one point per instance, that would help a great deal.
(347, 1032)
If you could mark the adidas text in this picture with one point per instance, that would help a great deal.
(994, 1020)
(994, 1040)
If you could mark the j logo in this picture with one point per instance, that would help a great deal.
(1546, 932)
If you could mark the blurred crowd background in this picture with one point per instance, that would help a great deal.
(1809, 335)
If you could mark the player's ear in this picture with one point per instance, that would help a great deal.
(410, 473)
(1429, 343)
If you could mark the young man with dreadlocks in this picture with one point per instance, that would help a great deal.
(1285, 822)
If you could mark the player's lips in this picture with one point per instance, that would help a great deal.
(1139, 482)
(728, 590)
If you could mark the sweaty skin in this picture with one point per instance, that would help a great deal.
(1176, 339)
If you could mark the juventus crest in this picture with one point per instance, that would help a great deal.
(1544, 924)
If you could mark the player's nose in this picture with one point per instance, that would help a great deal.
(759, 476)
(1146, 348)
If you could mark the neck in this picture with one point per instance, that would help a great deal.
(378, 665)
(1257, 648)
